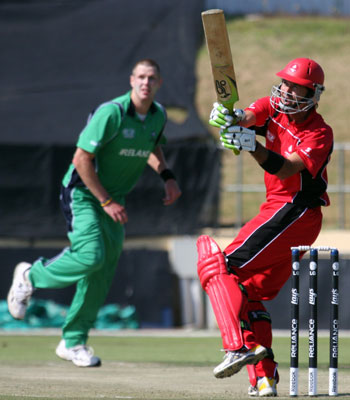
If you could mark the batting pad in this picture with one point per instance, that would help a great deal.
(252, 374)
(224, 293)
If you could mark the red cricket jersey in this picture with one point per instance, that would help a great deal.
(312, 140)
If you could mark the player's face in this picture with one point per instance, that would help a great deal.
(145, 82)
(291, 93)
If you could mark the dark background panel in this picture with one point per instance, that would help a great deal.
(143, 279)
(30, 178)
(60, 60)
(64, 57)
(280, 308)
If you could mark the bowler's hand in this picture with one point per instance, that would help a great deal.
(172, 192)
(117, 212)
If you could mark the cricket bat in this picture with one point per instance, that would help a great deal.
(220, 56)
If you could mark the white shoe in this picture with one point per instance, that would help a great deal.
(80, 355)
(235, 360)
(253, 391)
(20, 291)
(267, 387)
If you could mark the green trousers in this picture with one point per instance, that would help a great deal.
(90, 263)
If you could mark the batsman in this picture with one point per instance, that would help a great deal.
(253, 268)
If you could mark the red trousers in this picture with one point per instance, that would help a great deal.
(260, 255)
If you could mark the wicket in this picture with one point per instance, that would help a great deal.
(313, 326)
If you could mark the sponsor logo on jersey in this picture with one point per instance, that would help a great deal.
(94, 143)
(307, 151)
(252, 105)
(289, 151)
(128, 133)
(270, 136)
(134, 153)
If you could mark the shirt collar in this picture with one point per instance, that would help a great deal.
(309, 118)
(132, 111)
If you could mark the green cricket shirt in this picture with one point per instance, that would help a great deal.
(121, 142)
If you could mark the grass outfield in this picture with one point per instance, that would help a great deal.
(141, 367)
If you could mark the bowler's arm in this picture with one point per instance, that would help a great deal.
(157, 162)
(83, 162)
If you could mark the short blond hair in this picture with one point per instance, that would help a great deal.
(149, 62)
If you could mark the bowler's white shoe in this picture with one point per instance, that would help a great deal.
(235, 360)
(80, 355)
(20, 291)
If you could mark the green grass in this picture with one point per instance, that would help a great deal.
(133, 367)
(196, 351)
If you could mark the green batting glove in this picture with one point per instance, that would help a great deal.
(239, 138)
(228, 145)
(219, 116)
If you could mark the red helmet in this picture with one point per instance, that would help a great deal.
(304, 72)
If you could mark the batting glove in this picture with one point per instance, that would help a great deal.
(220, 118)
(237, 137)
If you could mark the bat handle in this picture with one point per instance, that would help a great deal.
(230, 105)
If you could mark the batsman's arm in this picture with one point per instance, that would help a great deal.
(248, 120)
(276, 164)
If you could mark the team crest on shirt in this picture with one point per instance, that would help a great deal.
(128, 133)
(270, 136)
(153, 136)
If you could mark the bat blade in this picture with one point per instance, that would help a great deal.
(220, 56)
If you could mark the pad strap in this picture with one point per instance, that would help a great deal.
(259, 315)
(252, 374)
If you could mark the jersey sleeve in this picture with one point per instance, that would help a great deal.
(161, 139)
(261, 109)
(315, 149)
(100, 129)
